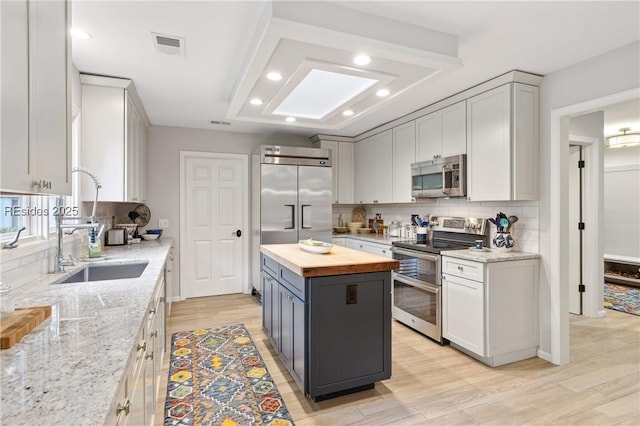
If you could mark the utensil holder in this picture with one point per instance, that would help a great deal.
(503, 241)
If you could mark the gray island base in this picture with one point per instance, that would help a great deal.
(332, 331)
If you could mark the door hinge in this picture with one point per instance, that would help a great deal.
(581, 226)
(581, 288)
(581, 164)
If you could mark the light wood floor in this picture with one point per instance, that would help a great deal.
(433, 384)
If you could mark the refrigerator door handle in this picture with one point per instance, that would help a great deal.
(293, 216)
(302, 216)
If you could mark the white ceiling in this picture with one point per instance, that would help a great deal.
(190, 91)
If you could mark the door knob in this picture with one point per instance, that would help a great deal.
(238, 233)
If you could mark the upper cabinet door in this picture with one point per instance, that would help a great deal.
(50, 124)
(489, 148)
(345, 172)
(454, 129)
(17, 173)
(404, 147)
(428, 136)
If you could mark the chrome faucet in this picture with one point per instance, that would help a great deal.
(13, 244)
(61, 262)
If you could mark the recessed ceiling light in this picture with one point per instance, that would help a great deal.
(256, 101)
(348, 112)
(274, 76)
(290, 119)
(382, 93)
(362, 59)
(329, 91)
(80, 34)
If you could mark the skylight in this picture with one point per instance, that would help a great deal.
(321, 92)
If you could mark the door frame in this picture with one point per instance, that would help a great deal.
(184, 155)
(592, 213)
(556, 257)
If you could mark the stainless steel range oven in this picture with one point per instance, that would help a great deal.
(417, 291)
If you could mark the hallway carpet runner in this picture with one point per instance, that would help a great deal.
(622, 298)
(218, 377)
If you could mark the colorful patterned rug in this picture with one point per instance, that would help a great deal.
(622, 298)
(218, 377)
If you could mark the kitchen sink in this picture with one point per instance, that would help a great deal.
(106, 272)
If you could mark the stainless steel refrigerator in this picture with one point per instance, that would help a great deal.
(294, 196)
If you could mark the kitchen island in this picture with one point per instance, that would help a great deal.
(328, 316)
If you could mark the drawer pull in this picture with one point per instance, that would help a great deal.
(152, 311)
(150, 356)
(154, 333)
(126, 407)
(141, 347)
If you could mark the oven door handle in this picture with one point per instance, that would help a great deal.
(445, 169)
(430, 288)
(416, 254)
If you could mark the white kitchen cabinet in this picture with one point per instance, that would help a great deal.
(36, 99)
(137, 396)
(339, 241)
(342, 168)
(442, 133)
(404, 148)
(114, 139)
(374, 175)
(502, 144)
(373, 247)
(490, 310)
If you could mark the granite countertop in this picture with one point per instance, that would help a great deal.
(340, 261)
(490, 255)
(69, 368)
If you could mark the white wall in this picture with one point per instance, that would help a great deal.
(607, 74)
(622, 202)
(163, 174)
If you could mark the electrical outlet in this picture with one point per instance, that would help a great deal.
(163, 223)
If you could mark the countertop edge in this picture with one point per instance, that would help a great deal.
(490, 256)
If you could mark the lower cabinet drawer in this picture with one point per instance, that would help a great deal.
(463, 268)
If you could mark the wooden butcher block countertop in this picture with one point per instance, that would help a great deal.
(340, 261)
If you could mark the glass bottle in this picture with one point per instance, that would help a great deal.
(6, 301)
(340, 221)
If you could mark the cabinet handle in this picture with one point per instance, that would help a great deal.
(384, 251)
(152, 310)
(150, 356)
(154, 333)
(126, 407)
(162, 299)
(460, 268)
(168, 270)
(141, 347)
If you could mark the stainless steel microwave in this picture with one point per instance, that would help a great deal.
(440, 178)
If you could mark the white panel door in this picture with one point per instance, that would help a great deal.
(213, 252)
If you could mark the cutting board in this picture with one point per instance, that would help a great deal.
(20, 323)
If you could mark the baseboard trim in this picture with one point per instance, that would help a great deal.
(544, 355)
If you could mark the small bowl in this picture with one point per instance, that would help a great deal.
(355, 224)
(365, 230)
(148, 237)
(340, 229)
(154, 231)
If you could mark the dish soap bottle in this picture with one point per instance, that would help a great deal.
(95, 248)
(340, 221)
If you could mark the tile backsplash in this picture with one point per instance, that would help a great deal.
(525, 232)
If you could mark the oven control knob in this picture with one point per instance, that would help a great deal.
(466, 224)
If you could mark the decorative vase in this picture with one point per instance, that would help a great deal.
(503, 241)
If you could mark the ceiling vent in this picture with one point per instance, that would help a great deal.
(170, 45)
